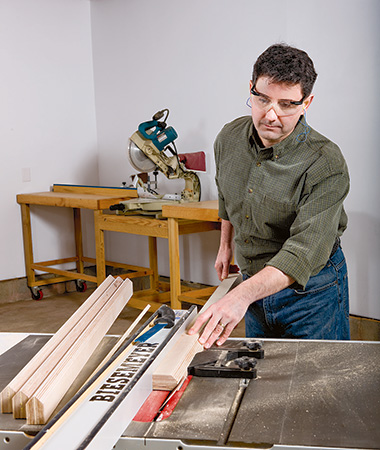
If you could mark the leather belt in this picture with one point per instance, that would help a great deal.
(335, 246)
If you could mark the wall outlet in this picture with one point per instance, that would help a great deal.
(26, 175)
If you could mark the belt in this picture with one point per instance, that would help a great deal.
(335, 246)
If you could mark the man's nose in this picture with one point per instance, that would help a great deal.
(271, 114)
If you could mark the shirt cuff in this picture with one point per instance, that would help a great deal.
(222, 210)
(295, 266)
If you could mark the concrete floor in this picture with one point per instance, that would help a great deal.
(48, 314)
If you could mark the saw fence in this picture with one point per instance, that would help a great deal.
(37, 390)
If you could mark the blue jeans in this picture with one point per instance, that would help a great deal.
(320, 311)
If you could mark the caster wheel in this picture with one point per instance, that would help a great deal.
(81, 286)
(37, 294)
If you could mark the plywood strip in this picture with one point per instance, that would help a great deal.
(96, 190)
(14, 386)
(120, 342)
(32, 383)
(46, 398)
(173, 368)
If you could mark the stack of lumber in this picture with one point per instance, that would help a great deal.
(38, 388)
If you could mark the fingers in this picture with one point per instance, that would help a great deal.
(218, 333)
(214, 331)
(222, 271)
(225, 271)
(201, 320)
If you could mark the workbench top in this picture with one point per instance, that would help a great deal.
(206, 210)
(71, 199)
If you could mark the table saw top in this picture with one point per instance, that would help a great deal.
(322, 394)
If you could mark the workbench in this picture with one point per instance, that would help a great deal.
(307, 395)
(181, 219)
(64, 196)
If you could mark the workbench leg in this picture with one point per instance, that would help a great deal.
(78, 240)
(175, 273)
(28, 244)
(99, 246)
(153, 262)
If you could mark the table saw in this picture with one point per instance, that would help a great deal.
(304, 395)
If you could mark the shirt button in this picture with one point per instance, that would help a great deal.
(250, 190)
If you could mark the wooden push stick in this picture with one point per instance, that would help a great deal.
(30, 385)
(40, 407)
(174, 366)
(14, 386)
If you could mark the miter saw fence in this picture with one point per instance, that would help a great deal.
(152, 148)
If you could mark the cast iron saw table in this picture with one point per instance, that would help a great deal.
(307, 395)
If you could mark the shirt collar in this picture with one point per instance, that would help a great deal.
(276, 149)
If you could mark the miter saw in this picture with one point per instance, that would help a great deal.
(152, 149)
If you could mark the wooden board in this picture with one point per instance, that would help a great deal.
(40, 407)
(108, 191)
(15, 385)
(174, 367)
(205, 210)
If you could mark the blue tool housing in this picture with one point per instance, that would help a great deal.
(159, 137)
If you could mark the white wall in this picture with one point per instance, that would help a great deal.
(47, 119)
(196, 58)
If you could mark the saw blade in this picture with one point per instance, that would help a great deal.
(139, 160)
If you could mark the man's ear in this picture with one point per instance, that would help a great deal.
(307, 103)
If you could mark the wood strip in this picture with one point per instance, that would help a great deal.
(122, 339)
(44, 401)
(174, 367)
(17, 382)
(30, 385)
(66, 273)
(202, 292)
(96, 190)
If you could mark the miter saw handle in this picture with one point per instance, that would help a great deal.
(153, 131)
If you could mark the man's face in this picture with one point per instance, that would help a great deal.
(271, 125)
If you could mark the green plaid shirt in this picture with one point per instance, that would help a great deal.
(284, 202)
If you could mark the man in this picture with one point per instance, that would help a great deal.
(281, 188)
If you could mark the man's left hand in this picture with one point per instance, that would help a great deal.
(220, 318)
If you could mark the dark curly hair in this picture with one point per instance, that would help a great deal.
(285, 64)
